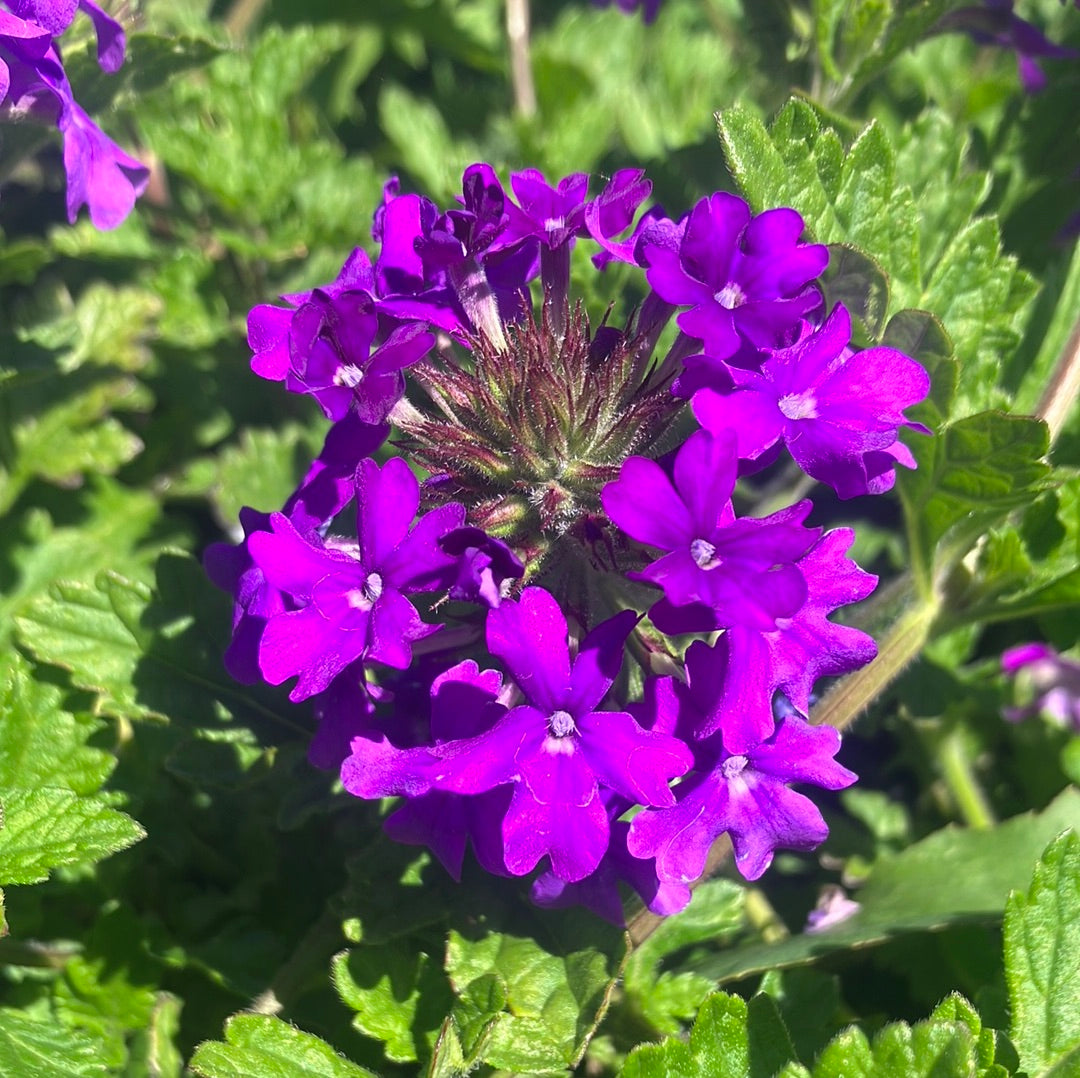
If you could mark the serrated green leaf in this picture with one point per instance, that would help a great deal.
(730, 1039)
(399, 997)
(259, 1046)
(670, 998)
(551, 992)
(38, 1049)
(931, 1049)
(969, 478)
(37, 553)
(950, 877)
(810, 1006)
(60, 440)
(146, 651)
(40, 743)
(1042, 959)
(51, 826)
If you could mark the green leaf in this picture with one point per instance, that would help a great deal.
(669, 998)
(37, 1049)
(546, 995)
(51, 826)
(259, 1046)
(147, 651)
(931, 1049)
(61, 439)
(952, 876)
(969, 478)
(730, 1039)
(399, 996)
(1042, 959)
(40, 743)
(37, 552)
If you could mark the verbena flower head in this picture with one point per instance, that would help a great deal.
(548, 513)
(34, 86)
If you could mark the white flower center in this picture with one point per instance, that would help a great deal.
(730, 296)
(553, 224)
(365, 597)
(799, 405)
(733, 765)
(349, 375)
(561, 724)
(704, 554)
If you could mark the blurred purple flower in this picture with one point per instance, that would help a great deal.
(995, 23)
(1052, 681)
(33, 84)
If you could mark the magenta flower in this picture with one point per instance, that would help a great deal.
(33, 84)
(556, 748)
(742, 570)
(1051, 680)
(837, 411)
(351, 600)
(745, 794)
(744, 278)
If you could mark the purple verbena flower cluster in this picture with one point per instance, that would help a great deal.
(34, 86)
(470, 638)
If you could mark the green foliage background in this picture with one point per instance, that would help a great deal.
(183, 890)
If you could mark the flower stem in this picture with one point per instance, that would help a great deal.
(762, 916)
(1063, 388)
(960, 778)
(854, 693)
(517, 33)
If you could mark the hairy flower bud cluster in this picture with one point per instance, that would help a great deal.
(34, 86)
(464, 636)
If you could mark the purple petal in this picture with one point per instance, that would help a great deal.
(387, 499)
(530, 637)
(574, 837)
(644, 504)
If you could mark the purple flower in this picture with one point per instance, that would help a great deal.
(747, 667)
(744, 278)
(741, 570)
(744, 794)
(351, 600)
(649, 8)
(837, 411)
(995, 23)
(610, 214)
(33, 84)
(324, 347)
(55, 16)
(486, 566)
(556, 748)
(833, 908)
(1051, 680)
(552, 215)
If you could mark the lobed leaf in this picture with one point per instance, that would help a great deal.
(1042, 961)
(260, 1046)
(48, 827)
